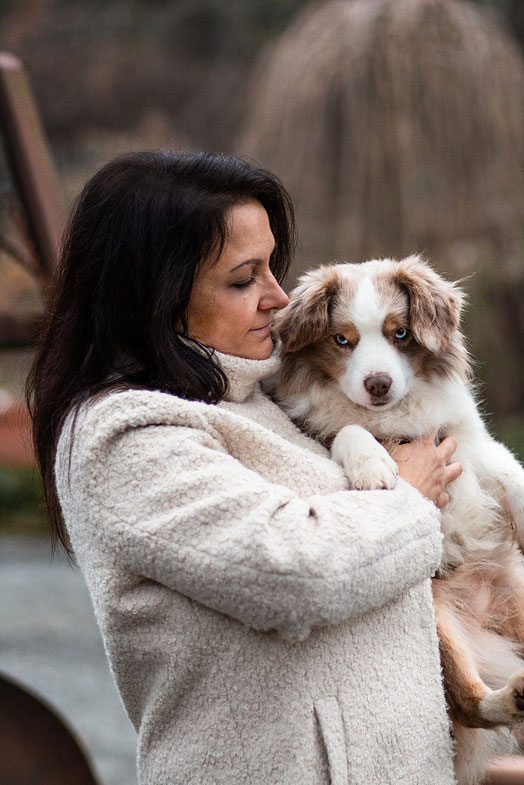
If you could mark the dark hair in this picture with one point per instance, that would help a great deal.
(138, 232)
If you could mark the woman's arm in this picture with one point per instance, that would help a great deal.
(167, 502)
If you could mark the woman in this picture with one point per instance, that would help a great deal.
(264, 624)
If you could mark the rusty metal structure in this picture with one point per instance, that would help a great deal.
(37, 185)
(36, 746)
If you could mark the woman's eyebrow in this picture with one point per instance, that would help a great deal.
(249, 261)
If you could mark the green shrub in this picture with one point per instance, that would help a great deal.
(21, 501)
(510, 431)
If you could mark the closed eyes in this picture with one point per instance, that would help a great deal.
(244, 284)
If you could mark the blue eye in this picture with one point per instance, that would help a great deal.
(341, 340)
(401, 333)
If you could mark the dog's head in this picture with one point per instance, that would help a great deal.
(374, 327)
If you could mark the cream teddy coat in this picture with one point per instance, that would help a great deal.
(264, 625)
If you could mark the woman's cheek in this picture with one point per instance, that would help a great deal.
(245, 304)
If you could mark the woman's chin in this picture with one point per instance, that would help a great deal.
(259, 350)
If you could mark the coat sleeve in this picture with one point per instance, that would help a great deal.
(168, 503)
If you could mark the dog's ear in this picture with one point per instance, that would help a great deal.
(434, 303)
(306, 318)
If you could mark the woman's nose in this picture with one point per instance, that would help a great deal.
(273, 297)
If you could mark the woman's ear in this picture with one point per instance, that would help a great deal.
(434, 303)
(306, 318)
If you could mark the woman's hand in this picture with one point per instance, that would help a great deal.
(426, 466)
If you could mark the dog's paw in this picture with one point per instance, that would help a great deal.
(506, 706)
(366, 463)
(370, 472)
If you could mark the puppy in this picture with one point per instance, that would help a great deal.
(372, 357)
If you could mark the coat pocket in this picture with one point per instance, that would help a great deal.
(331, 727)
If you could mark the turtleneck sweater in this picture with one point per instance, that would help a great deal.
(264, 624)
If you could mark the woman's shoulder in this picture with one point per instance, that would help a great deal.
(106, 416)
(140, 407)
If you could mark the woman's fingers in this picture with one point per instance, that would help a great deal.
(447, 447)
(442, 500)
(453, 471)
(424, 464)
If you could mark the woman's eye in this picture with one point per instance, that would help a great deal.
(244, 284)
(341, 340)
(401, 333)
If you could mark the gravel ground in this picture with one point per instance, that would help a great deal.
(50, 643)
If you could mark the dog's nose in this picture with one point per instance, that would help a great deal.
(378, 384)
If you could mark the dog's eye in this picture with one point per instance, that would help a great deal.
(401, 333)
(341, 340)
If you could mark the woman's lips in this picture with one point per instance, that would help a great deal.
(266, 326)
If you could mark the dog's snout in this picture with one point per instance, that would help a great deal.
(378, 384)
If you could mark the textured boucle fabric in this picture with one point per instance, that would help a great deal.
(264, 625)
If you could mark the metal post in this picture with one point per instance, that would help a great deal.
(30, 162)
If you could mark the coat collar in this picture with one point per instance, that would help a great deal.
(244, 375)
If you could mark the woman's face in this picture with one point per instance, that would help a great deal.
(233, 299)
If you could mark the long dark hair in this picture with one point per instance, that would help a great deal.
(137, 234)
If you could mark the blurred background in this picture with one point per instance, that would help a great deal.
(397, 126)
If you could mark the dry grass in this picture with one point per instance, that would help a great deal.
(396, 124)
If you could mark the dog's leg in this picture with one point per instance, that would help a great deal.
(502, 475)
(507, 616)
(471, 702)
(367, 464)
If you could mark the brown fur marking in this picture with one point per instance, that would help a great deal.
(492, 592)
(324, 361)
(306, 318)
(349, 331)
(434, 304)
(424, 309)
(463, 686)
(392, 322)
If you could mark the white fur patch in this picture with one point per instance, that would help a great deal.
(367, 310)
